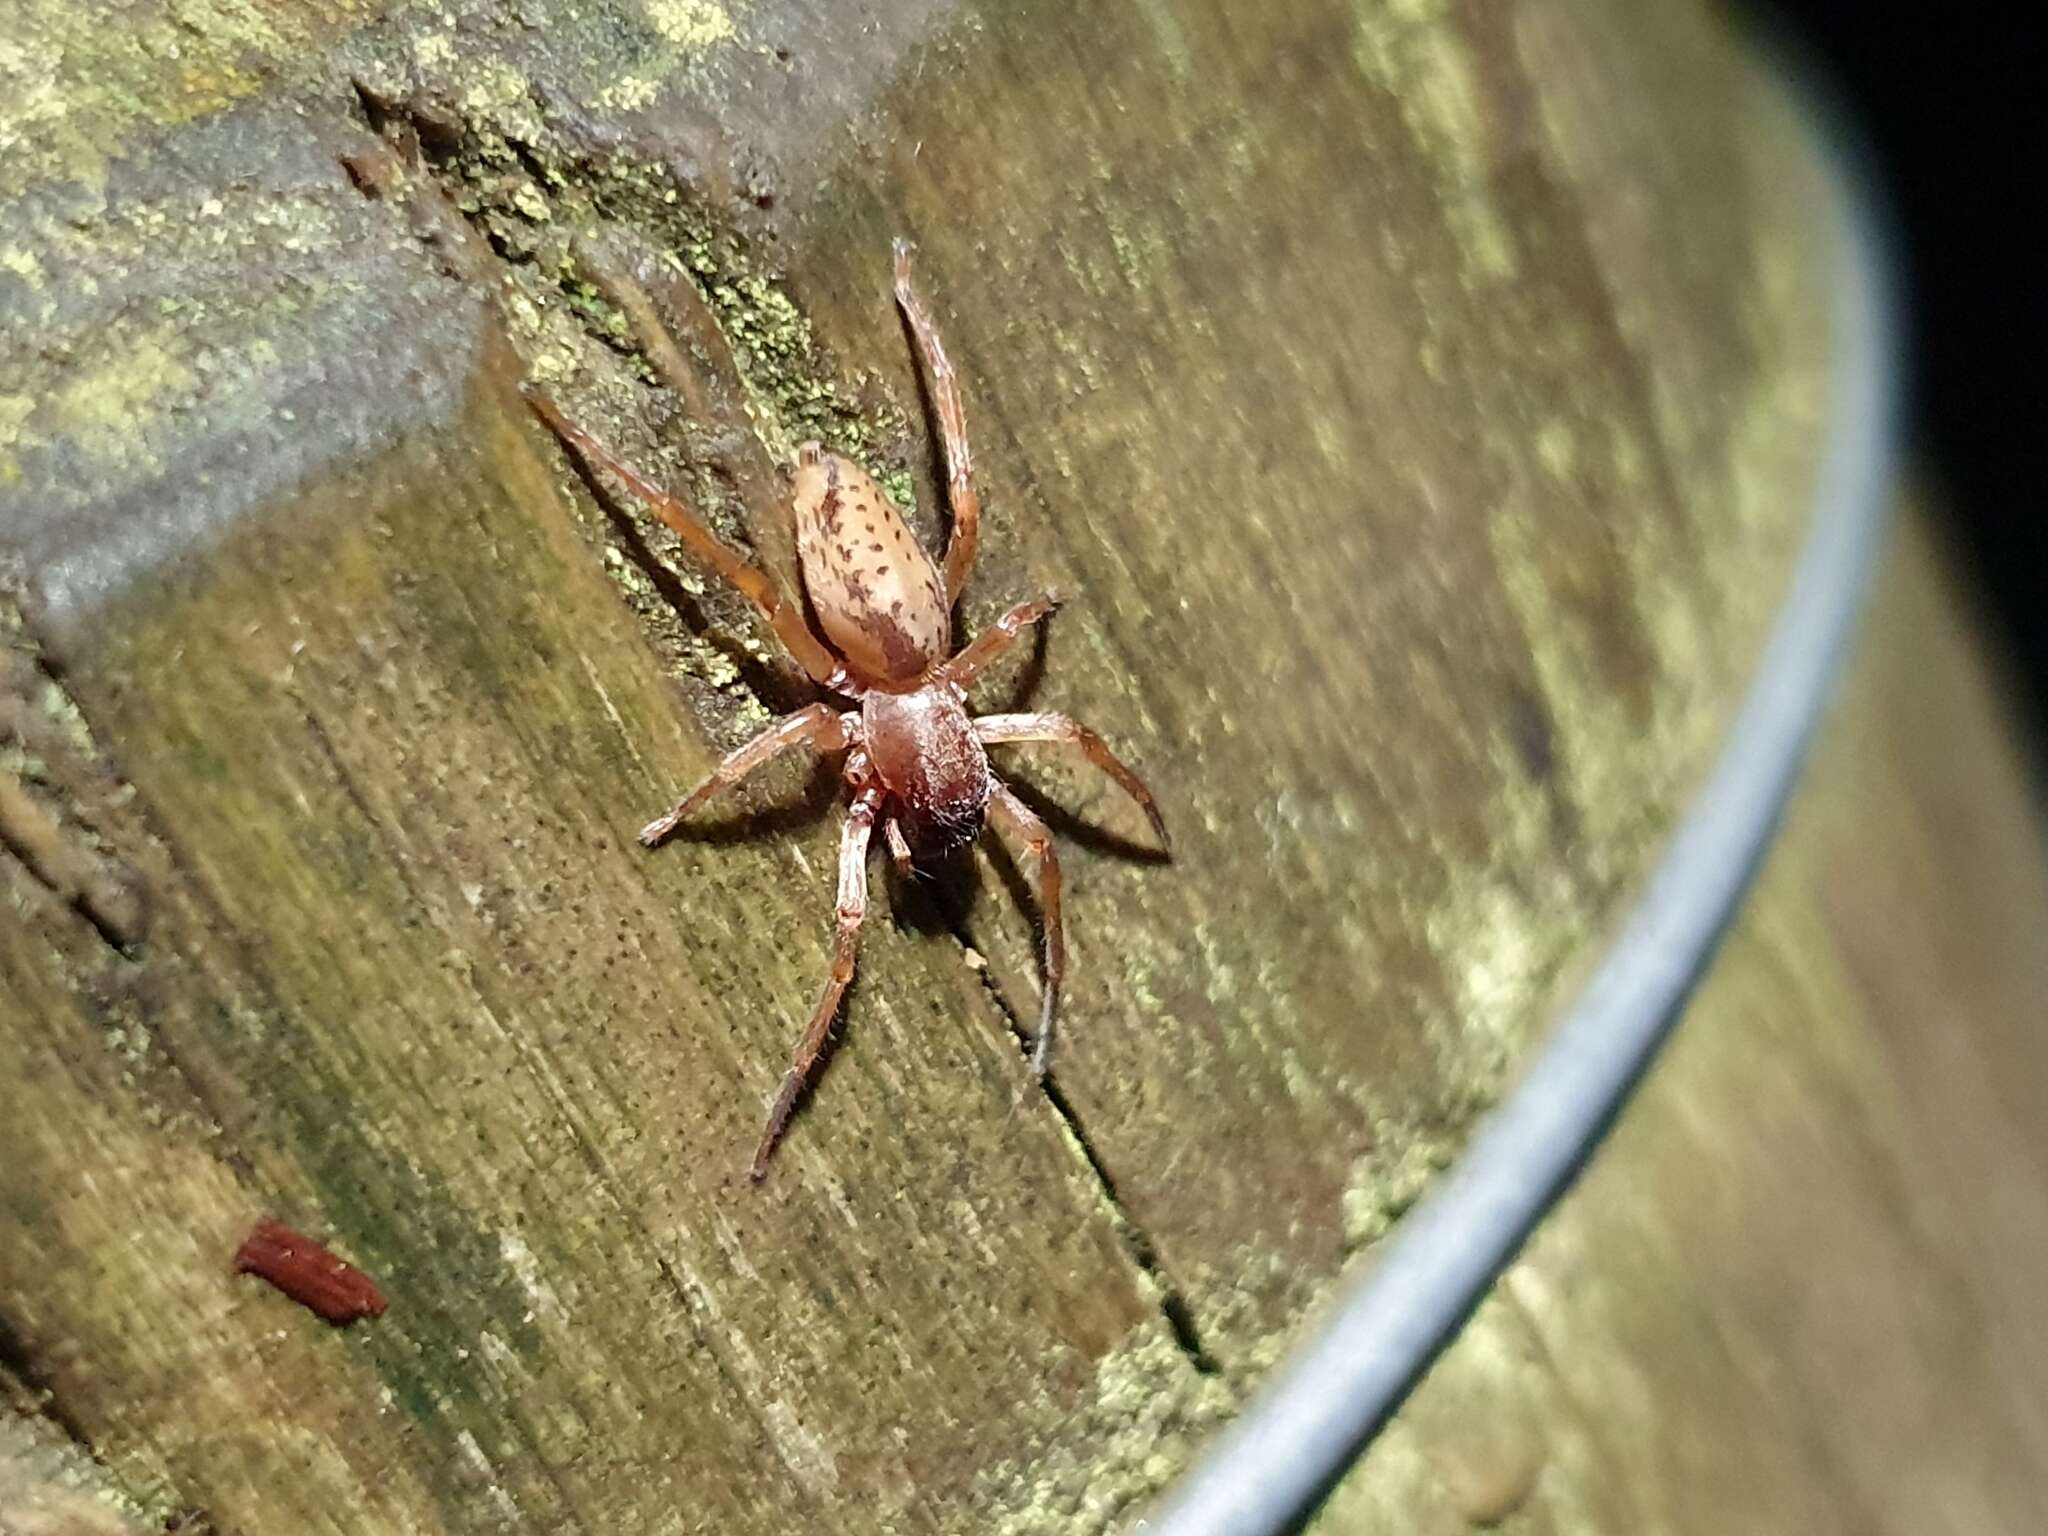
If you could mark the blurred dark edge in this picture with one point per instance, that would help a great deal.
(1267, 1471)
(1950, 102)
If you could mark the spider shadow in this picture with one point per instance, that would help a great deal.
(933, 900)
(748, 819)
(1067, 827)
(1065, 824)
(932, 461)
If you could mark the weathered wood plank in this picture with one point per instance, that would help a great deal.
(1416, 405)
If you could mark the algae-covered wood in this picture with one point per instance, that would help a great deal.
(1416, 404)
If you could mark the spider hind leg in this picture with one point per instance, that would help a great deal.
(853, 907)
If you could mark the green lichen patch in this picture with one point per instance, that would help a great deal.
(1138, 1423)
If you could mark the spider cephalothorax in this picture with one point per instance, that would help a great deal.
(915, 759)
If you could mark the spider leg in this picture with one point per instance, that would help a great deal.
(818, 724)
(964, 668)
(749, 579)
(704, 390)
(1056, 727)
(1011, 814)
(945, 390)
(899, 847)
(853, 906)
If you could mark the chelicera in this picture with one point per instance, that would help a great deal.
(916, 764)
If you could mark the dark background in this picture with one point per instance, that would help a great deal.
(1949, 97)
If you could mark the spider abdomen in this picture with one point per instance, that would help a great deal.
(874, 587)
(927, 756)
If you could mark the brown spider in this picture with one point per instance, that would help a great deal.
(914, 757)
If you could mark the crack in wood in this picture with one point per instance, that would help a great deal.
(47, 829)
(1138, 1243)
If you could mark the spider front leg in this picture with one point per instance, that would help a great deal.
(750, 580)
(853, 906)
(1054, 727)
(818, 724)
(960, 493)
(1010, 813)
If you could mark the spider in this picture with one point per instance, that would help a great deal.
(915, 760)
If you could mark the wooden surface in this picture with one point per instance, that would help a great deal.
(1417, 404)
(1799, 1289)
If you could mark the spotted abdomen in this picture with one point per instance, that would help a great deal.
(876, 592)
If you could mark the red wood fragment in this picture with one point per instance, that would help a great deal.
(308, 1273)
